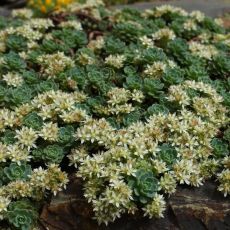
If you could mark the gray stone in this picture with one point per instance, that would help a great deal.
(4, 12)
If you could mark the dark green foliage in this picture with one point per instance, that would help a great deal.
(153, 87)
(66, 135)
(192, 93)
(30, 77)
(157, 108)
(178, 49)
(220, 148)
(37, 155)
(178, 28)
(19, 95)
(128, 32)
(97, 81)
(226, 96)
(17, 172)
(131, 118)
(2, 93)
(22, 214)
(144, 185)
(3, 22)
(150, 55)
(168, 154)
(69, 38)
(51, 46)
(210, 25)
(227, 134)
(173, 76)
(32, 120)
(220, 66)
(16, 42)
(53, 154)
(8, 137)
(14, 62)
(46, 86)
(49, 154)
(133, 82)
(196, 72)
(114, 45)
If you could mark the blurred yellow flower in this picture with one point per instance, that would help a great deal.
(46, 6)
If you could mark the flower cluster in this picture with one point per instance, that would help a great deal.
(52, 64)
(132, 151)
(137, 102)
(203, 51)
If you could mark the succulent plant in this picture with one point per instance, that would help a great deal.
(8, 137)
(46, 86)
(20, 95)
(14, 62)
(153, 87)
(220, 148)
(157, 108)
(22, 214)
(227, 134)
(65, 135)
(168, 154)
(53, 153)
(220, 66)
(32, 120)
(144, 185)
(16, 43)
(17, 172)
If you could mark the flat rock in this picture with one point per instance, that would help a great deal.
(201, 208)
(188, 209)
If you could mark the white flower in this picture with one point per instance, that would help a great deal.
(4, 202)
(71, 24)
(22, 13)
(26, 137)
(49, 131)
(116, 61)
(189, 25)
(155, 70)
(164, 33)
(13, 79)
(156, 208)
(197, 15)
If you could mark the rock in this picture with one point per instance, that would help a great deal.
(6, 6)
(13, 3)
(4, 12)
(69, 210)
(189, 209)
(201, 208)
